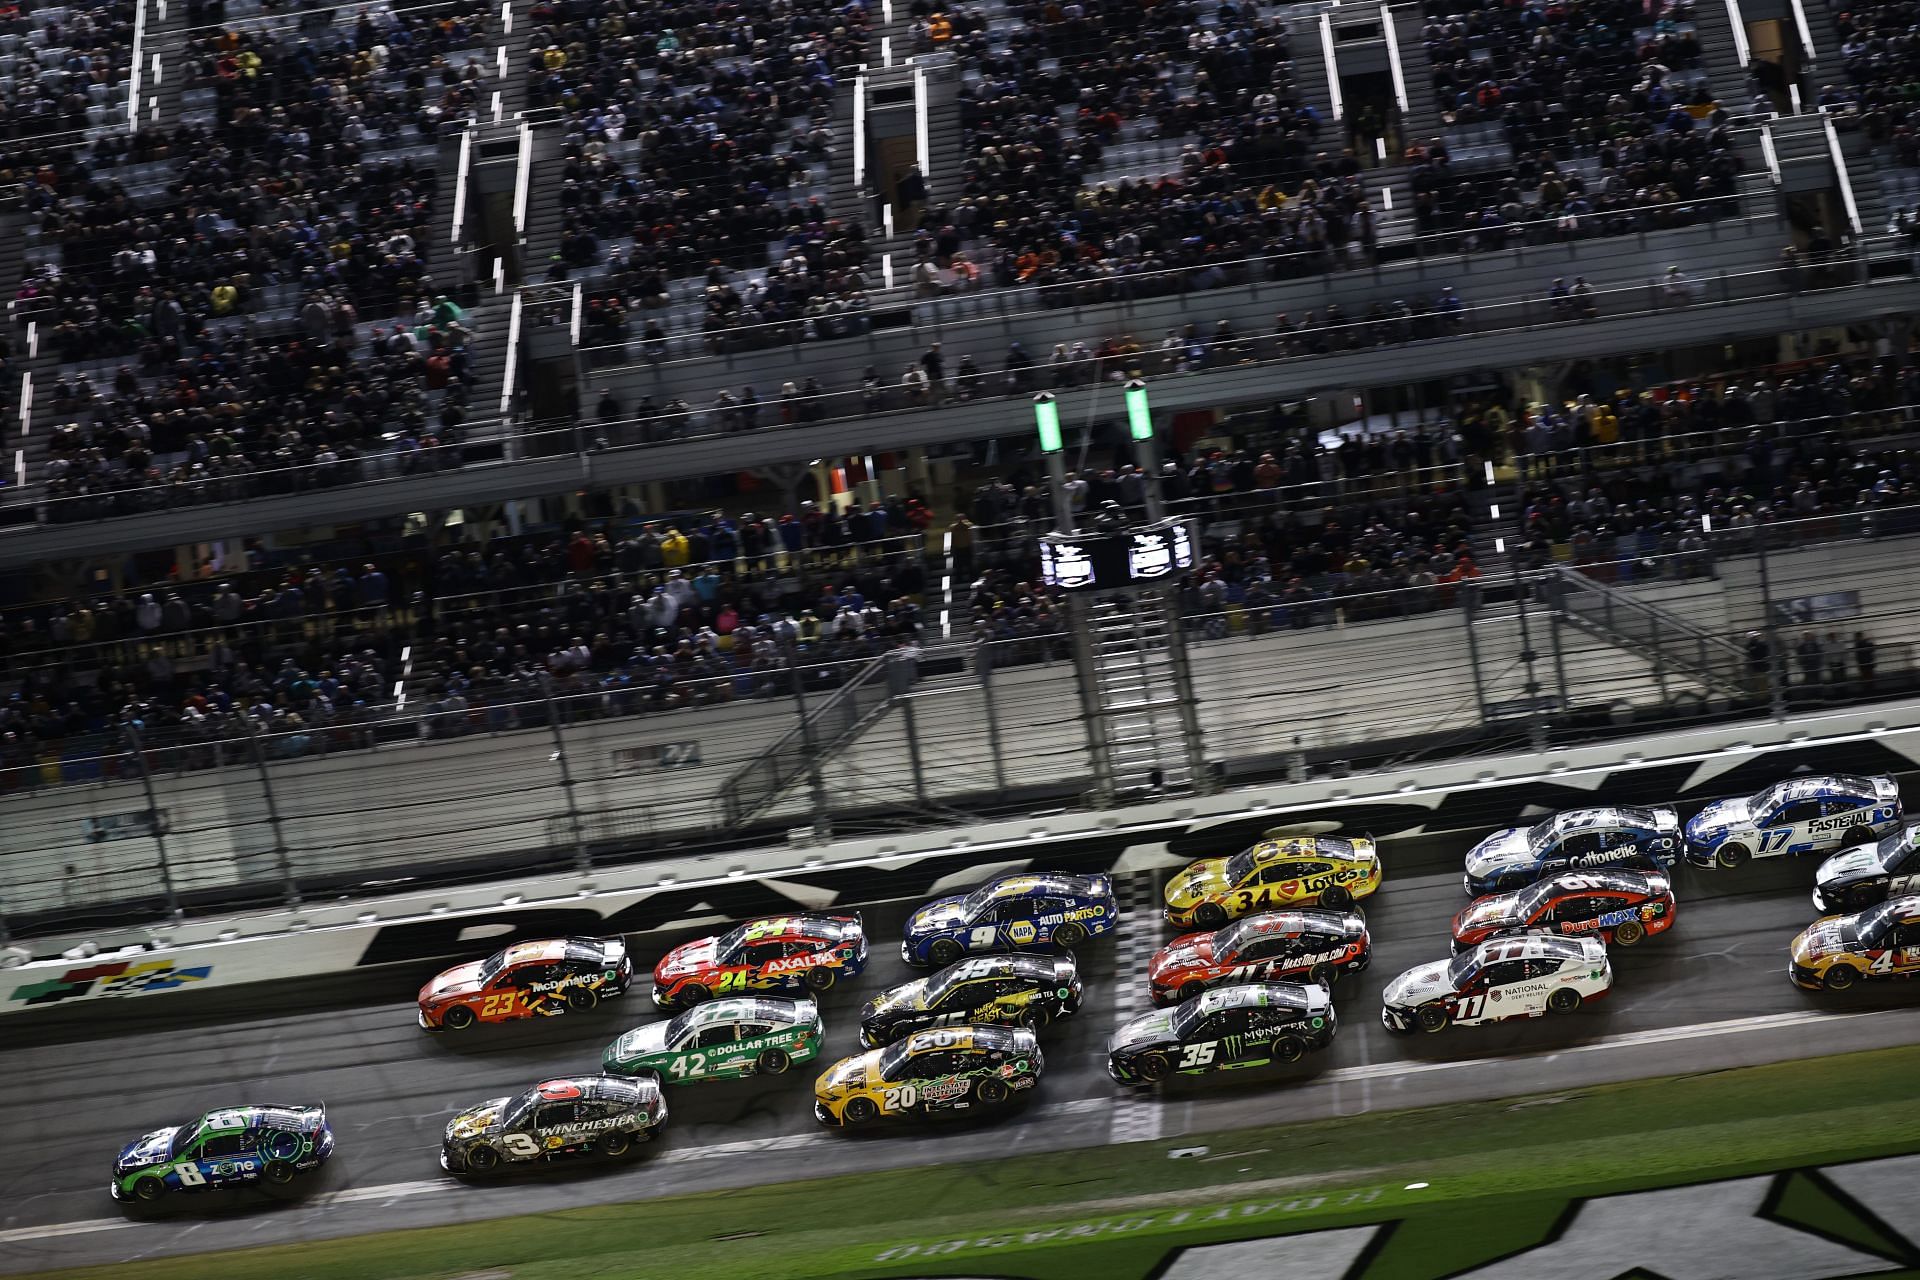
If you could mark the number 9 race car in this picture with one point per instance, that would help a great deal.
(1010, 913)
(1227, 1028)
(722, 1039)
(1880, 942)
(797, 952)
(225, 1148)
(527, 980)
(1800, 815)
(945, 1070)
(1573, 840)
(1295, 871)
(1506, 978)
(573, 1116)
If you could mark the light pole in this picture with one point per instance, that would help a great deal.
(1140, 428)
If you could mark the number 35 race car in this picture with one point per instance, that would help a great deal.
(527, 980)
(1505, 978)
(1221, 1030)
(946, 1070)
(225, 1148)
(575, 1116)
(1800, 815)
(1304, 871)
(799, 952)
(1010, 913)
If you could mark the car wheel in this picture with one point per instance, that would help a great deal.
(1069, 935)
(1432, 1017)
(859, 1111)
(1563, 1000)
(773, 1062)
(1840, 977)
(1033, 1017)
(1336, 899)
(944, 952)
(278, 1172)
(990, 1091)
(821, 977)
(1628, 932)
(1323, 974)
(1154, 1067)
(483, 1160)
(581, 999)
(615, 1142)
(1856, 835)
(1731, 855)
(1288, 1049)
(1189, 990)
(1209, 915)
(692, 994)
(149, 1188)
(458, 1018)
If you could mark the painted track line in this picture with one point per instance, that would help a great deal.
(1136, 1118)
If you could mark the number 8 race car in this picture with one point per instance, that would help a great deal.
(947, 1069)
(1800, 815)
(573, 1116)
(224, 1148)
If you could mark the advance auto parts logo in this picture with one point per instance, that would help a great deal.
(115, 978)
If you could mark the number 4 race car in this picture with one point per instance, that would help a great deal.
(1010, 913)
(1505, 978)
(722, 1039)
(945, 1070)
(1619, 907)
(798, 952)
(1800, 815)
(1026, 991)
(225, 1148)
(1291, 872)
(1270, 946)
(527, 980)
(1880, 942)
(605, 1114)
(1572, 840)
(1245, 1026)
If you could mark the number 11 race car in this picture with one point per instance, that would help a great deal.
(527, 980)
(573, 1116)
(1506, 978)
(225, 1148)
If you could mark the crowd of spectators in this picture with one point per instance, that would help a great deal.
(1882, 64)
(63, 68)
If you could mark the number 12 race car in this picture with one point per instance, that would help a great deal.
(527, 980)
(225, 1148)
(1505, 978)
(798, 952)
(1800, 815)
(1297, 871)
(1880, 942)
(575, 1116)
(948, 1069)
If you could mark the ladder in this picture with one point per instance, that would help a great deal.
(1140, 702)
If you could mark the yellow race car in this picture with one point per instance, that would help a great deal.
(1289, 871)
(944, 1071)
(1835, 952)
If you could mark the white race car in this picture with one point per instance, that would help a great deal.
(1801, 815)
(1505, 978)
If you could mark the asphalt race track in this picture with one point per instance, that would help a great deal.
(1709, 994)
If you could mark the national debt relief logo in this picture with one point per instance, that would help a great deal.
(114, 978)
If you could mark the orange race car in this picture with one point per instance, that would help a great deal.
(527, 980)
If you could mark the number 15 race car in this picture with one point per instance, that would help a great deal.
(1800, 815)
(945, 1070)
(798, 952)
(574, 1116)
(1505, 978)
(225, 1148)
(1298, 871)
(527, 980)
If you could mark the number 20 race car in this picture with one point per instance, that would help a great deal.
(946, 1070)
(574, 1116)
(1800, 815)
(1010, 913)
(1292, 872)
(797, 952)
(527, 980)
(225, 1148)
(1505, 978)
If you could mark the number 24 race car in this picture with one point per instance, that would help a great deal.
(797, 952)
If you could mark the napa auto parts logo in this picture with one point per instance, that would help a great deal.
(114, 978)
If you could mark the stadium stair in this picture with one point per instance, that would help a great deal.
(1646, 630)
(1422, 119)
(830, 725)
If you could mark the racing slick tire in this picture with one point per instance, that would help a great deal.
(1288, 1049)
(1323, 975)
(1563, 1000)
(150, 1188)
(692, 994)
(483, 1160)
(943, 952)
(1431, 1017)
(1209, 915)
(1628, 932)
(1336, 899)
(581, 999)
(1840, 977)
(615, 1143)
(990, 1092)
(1191, 989)
(278, 1173)
(1857, 834)
(1069, 935)
(1033, 1017)
(820, 978)
(1154, 1068)
(458, 1018)
(858, 1111)
(1730, 855)
(773, 1062)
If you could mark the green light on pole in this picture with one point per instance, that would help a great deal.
(1139, 416)
(1046, 415)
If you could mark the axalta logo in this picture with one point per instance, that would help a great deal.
(788, 964)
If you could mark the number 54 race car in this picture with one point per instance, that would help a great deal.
(226, 1148)
(1800, 815)
(573, 1116)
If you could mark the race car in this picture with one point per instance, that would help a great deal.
(1021, 990)
(797, 952)
(527, 980)
(1616, 905)
(1251, 1025)
(1010, 913)
(1308, 944)
(1800, 815)
(571, 1116)
(1881, 942)
(1292, 872)
(1869, 873)
(721, 1040)
(1507, 978)
(226, 1148)
(1574, 840)
(948, 1069)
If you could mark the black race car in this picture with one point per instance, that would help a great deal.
(1223, 1030)
(1022, 990)
(576, 1115)
(1857, 878)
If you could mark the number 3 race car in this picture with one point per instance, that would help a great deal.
(575, 1116)
(1619, 907)
(1800, 815)
(1027, 991)
(1222, 1030)
(1270, 946)
(527, 980)
(225, 1148)
(1505, 978)
(1869, 873)
(1010, 913)
(721, 1040)
(1297, 871)
(1573, 840)
(1880, 942)
(948, 1069)
(798, 952)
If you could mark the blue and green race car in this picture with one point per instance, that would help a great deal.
(1024, 912)
(231, 1147)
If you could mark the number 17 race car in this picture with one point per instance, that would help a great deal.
(1800, 815)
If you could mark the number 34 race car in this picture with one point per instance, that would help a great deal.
(225, 1148)
(527, 980)
(1299, 871)
(574, 1116)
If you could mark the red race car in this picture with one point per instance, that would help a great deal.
(527, 980)
(1302, 945)
(1617, 905)
(779, 952)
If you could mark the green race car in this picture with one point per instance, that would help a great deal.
(721, 1040)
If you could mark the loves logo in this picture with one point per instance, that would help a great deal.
(1290, 888)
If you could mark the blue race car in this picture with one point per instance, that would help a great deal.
(1814, 814)
(1011, 913)
(226, 1148)
(1573, 840)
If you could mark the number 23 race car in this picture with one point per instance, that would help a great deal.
(527, 980)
